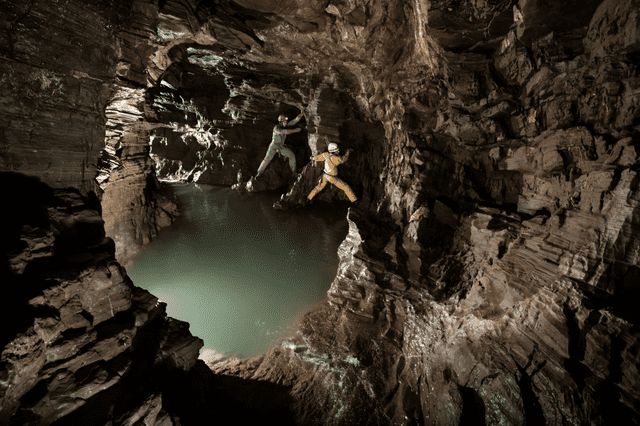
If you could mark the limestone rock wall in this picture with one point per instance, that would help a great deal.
(74, 93)
(133, 206)
(489, 271)
(84, 346)
(57, 67)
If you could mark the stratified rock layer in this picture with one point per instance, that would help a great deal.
(54, 87)
(85, 346)
(488, 270)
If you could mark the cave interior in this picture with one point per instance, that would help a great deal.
(490, 272)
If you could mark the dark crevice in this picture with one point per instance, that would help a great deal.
(577, 346)
(543, 212)
(86, 315)
(31, 398)
(502, 249)
(562, 217)
(473, 408)
(617, 175)
(412, 404)
(132, 84)
(70, 334)
(532, 409)
(618, 347)
(120, 322)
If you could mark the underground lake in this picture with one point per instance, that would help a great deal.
(240, 272)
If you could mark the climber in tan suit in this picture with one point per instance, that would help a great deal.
(331, 162)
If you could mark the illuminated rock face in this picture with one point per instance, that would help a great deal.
(491, 269)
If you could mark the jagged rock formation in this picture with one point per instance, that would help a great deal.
(85, 346)
(491, 268)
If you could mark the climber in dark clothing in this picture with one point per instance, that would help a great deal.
(277, 145)
(331, 161)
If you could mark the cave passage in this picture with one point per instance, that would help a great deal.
(238, 271)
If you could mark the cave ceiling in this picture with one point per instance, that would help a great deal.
(284, 51)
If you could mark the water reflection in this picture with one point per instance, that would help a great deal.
(240, 272)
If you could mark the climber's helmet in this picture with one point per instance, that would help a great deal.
(333, 147)
(282, 118)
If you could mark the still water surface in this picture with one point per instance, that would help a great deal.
(240, 272)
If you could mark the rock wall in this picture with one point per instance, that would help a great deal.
(84, 346)
(134, 207)
(57, 67)
(74, 95)
(490, 269)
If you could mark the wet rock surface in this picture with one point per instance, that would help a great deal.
(490, 270)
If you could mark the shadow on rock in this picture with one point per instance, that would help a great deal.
(212, 396)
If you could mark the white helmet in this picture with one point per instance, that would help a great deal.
(282, 117)
(333, 147)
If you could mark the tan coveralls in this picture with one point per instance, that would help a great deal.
(331, 162)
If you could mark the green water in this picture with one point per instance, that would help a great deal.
(240, 272)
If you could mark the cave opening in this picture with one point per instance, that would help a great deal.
(207, 121)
